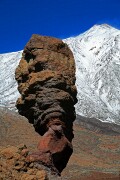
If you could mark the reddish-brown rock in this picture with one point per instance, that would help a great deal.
(14, 165)
(46, 81)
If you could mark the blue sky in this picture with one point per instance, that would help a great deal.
(19, 19)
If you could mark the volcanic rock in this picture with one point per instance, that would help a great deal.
(14, 165)
(46, 82)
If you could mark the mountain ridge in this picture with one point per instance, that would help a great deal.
(97, 57)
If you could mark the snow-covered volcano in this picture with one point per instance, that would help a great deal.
(97, 56)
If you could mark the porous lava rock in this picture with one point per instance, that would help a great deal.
(46, 82)
(14, 165)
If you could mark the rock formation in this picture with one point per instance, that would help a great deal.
(46, 82)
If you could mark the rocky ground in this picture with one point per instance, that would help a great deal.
(13, 165)
(96, 154)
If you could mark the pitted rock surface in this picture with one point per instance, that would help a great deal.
(46, 81)
(14, 165)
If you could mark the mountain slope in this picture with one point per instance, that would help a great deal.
(97, 56)
(8, 84)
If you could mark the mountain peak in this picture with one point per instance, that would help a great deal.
(97, 56)
(105, 26)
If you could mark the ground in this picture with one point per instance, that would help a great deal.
(95, 156)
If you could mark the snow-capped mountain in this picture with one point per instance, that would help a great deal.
(8, 84)
(97, 56)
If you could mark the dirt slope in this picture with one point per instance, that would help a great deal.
(96, 155)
